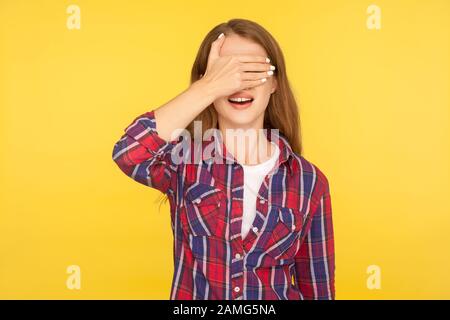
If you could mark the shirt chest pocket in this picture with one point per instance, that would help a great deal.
(284, 239)
(205, 211)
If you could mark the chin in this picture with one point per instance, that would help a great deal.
(240, 117)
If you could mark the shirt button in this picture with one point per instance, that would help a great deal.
(262, 201)
(197, 201)
(255, 229)
(237, 289)
(237, 256)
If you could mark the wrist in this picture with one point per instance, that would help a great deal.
(205, 89)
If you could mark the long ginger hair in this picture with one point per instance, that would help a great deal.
(282, 111)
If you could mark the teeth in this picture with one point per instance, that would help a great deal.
(240, 99)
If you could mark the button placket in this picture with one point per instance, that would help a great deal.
(237, 245)
(261, 207)
(237, 269)
(236, 284)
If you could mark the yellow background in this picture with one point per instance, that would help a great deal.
(375, 116)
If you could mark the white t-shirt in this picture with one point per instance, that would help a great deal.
(253, 178)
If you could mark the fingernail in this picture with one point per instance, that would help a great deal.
(220, 36)
(267, 60)
(272, 67)
(270, 72)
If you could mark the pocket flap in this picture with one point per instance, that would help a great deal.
(205, 210)
(291, 217)
(203, 194)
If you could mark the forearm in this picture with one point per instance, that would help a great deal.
(182, 109)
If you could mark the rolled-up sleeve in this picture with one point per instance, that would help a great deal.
(144, 156)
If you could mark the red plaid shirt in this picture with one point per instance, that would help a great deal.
(287, 254)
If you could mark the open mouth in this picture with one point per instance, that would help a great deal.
(240, 102)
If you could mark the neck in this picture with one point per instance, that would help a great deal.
(248, 144)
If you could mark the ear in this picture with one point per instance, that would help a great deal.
(274, 86)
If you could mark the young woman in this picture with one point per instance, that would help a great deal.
(254, 224)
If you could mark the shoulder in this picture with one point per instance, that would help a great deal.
(312, 173)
